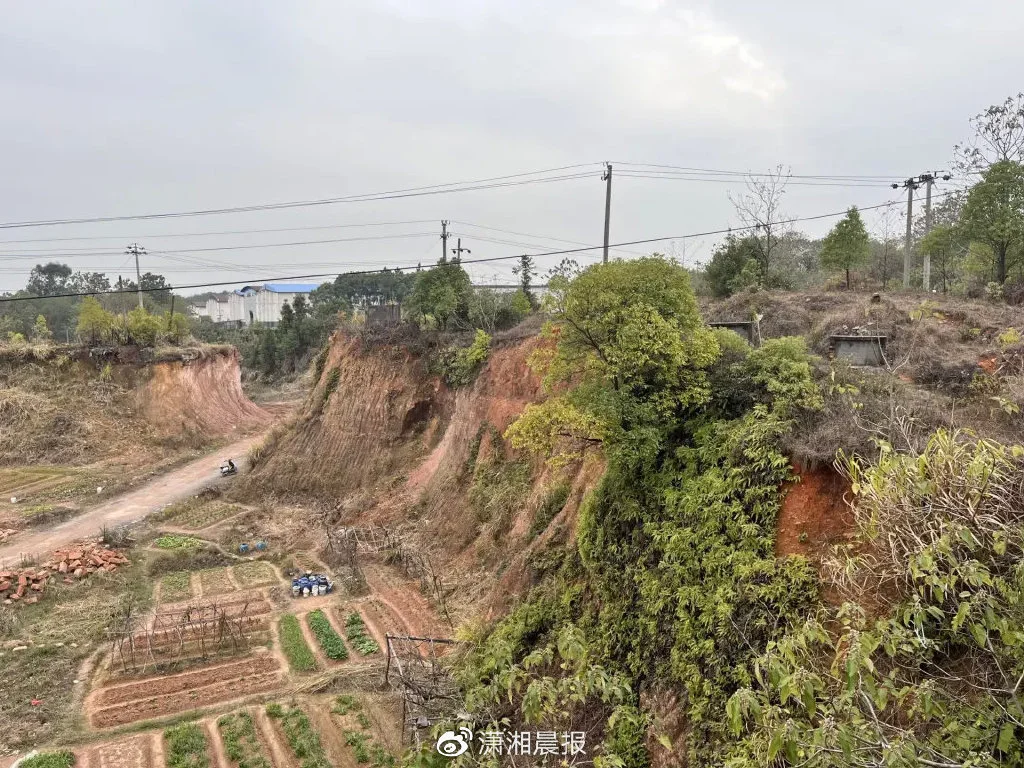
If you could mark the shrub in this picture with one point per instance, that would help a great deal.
(459, 366)
(293, 645)
(549, 508)
(330, 641)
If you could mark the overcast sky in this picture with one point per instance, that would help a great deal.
(133, 108)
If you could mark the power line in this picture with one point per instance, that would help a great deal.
(432, 189)
(733, 180)
(563, 252)
(228, 232)
(248, 246)
(751, 174)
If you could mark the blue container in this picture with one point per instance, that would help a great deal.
(243, 548)
(261, 545)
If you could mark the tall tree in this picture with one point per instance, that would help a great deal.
(946, 248)
(49, 279)
(847, 246)
(526, 271)
(994, 214)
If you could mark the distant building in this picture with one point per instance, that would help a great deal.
(263, 303)
(216, 308)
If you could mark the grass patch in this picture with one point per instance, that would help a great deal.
(63, 759)
(331, 642)
(199, 512)
(178, 542)
(175, 587)
(346, 703)
(255, 574)
(355, 630)
(185, 747)
(302, 738)
(358, 741)
(242, 745)
(293, 645)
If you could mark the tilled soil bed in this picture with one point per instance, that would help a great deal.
(183, 701)
(159, 686)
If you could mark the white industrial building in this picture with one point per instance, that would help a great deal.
(263, 303)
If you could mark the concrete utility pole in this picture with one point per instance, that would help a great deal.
(459, 250)
(134, 249)
(444, 242)
(607, 177)
(929, 179)
(911, 184)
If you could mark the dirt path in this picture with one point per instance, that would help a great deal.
(129, 507)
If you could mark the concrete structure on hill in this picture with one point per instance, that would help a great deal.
(263, 303)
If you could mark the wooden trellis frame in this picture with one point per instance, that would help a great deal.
(414, 669)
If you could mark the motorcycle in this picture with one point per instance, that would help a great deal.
(228, 469)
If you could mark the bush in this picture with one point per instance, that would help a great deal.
(459, 366)
(330, 641)
(293, 645)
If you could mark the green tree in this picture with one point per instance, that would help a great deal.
(630, 335)
(442, 293)
(526, 270)
(142, 327)
(847, 246)
(40, 331)
(49, 279)
(730, 266)
(95, 324)
(946, 248)
(994, 214)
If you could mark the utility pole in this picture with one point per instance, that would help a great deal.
(929, 179)
(911, 184)
(459, 250)
(444, 242)
(134, 249)
(607, 178)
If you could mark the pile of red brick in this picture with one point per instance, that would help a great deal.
(25, 584)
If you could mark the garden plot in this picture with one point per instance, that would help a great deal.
(29, 481)
(163, 695)
(215, 581)
(244, 745)
(176, 587)
(255, 574)
(197, 514)
(131, 752)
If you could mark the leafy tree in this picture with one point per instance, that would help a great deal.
(82, 282)
(493, 310)
(631, 335)
(49, 279)
(847, 246)
(946, 248)
(994, 214)
(725, 272)
(94, 322)
(442, 293)
(40, 331)
(526, 270)
(142, 327)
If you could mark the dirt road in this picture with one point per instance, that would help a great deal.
(131, 506)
